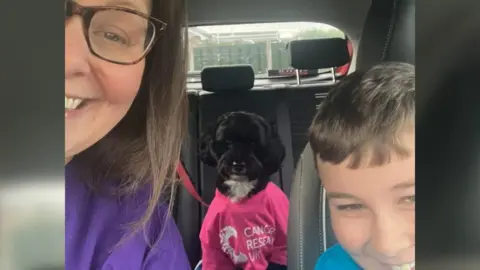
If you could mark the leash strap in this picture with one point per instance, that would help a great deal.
(188, 184)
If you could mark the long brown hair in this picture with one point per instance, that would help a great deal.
(144, 148)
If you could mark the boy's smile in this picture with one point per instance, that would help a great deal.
(373, 209)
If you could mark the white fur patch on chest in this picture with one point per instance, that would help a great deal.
(239, 187)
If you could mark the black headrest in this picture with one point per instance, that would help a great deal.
(228, 78)
(319, 53)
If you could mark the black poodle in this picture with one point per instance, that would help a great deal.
(245, 149)
(246, 224)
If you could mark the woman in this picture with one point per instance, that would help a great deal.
(125, 115)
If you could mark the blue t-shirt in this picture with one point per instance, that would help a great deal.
(336, 258)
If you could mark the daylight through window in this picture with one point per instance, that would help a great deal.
(262, 45)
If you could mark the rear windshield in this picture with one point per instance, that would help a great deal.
(262, 45)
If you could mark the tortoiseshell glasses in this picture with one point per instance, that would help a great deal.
(116, 34)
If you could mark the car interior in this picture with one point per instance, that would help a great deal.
(373, 31)
(379, 30)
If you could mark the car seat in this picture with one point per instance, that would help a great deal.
(388, 35)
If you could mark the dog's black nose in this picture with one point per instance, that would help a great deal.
(239, 167)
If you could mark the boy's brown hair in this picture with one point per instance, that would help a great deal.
(364, 116)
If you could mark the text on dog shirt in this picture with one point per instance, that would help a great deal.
(249, 234)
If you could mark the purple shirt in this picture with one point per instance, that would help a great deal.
(94, 225)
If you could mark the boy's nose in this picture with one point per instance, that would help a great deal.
(391, 238)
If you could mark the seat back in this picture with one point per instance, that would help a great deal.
(186, 208)
(388, 34)
(309, 231)
(289, 108)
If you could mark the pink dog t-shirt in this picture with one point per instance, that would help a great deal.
(248, 234)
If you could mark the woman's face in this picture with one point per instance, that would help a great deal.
(106, 90)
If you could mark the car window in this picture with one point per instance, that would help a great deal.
(262, 45)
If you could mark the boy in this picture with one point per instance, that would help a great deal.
(363, 137)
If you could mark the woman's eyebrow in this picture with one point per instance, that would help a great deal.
(134, 4)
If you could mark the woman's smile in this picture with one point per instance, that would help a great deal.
(75, 105)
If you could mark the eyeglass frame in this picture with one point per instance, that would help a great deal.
(87, 13)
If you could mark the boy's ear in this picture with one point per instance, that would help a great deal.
(275, 154)
(205, 147)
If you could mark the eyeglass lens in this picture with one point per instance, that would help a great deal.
(118, 35)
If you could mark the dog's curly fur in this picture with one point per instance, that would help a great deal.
(245, 149)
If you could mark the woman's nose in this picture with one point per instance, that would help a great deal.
(76, 49)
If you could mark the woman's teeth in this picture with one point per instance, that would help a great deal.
(408, 266)
(72, 103)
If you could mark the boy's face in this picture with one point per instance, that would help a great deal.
(373, 210)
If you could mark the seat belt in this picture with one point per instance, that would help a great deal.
(188, 184)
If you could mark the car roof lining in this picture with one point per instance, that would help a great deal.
(347, 15)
